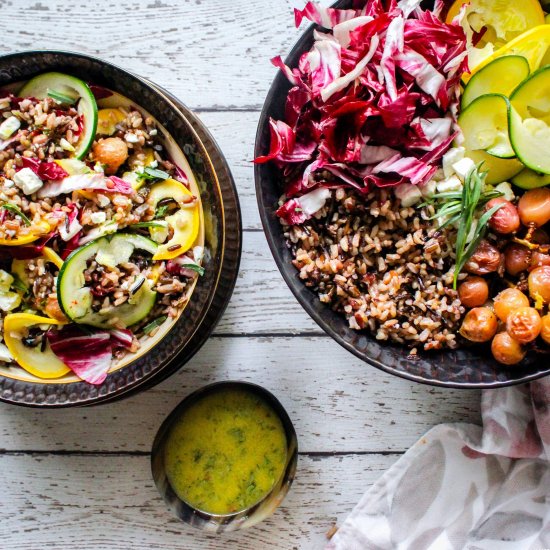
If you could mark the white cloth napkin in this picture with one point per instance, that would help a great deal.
(465, 487)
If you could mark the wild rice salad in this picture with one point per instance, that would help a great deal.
(100, 233)
(416, 179)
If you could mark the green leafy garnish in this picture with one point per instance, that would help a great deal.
(461, 209)
(61, 98)
(154, 324)
(17, 211)
(18, 284)
(194, 267)
(143, 225)
(161, 211)
(153, 174)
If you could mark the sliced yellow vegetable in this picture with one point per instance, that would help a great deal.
(107, 119)
(502, 20)
(52, 256)
(533, 45)
(185, 221)
(26, 239)
(43, 364)
(73, 167)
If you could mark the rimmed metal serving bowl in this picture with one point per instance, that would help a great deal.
(243, 518)
(465, 368)
(19, 387)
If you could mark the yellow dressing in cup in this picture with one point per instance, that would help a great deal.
(226, 452)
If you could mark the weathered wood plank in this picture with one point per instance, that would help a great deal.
(109, 502)
(336, 402)
(211, 54)
(262, 302)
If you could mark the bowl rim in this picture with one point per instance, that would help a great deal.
(284, 482)
(136, 381)
(275, 243)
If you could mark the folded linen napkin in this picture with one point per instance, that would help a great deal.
(465, 487)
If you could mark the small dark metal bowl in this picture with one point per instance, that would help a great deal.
(242, 519)
(465, 368)
(15, 385)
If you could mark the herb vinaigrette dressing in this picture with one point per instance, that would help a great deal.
(226, 452)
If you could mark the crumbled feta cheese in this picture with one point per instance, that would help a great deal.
(103, 200)
(27, 181)
(153, 132)
(408, 193)
(429, 188)
(451, 157)
(9, 300)
(66, 145)
(98, 217)
(98, 167)
(198, 253)
(9, 126)
(5, 354)
(68, 234)
(463, 167)
(8, 183)
(506, 189)
(450, 184)
(131, 138)
(154, 163)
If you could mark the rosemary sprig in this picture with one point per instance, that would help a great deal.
(462, 209)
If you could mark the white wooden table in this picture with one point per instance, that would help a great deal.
(80, 478)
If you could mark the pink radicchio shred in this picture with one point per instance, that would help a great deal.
(373, 104)
(100, 92)
(121, 186)
(95, 181)
(87, 355)
(123, 338)
(50, 171)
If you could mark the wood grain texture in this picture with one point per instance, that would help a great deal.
(211, 53)
(108, 502)
(336, 402)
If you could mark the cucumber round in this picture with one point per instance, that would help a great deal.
(528, 179)
(498, 170)
(75, 298)
(528, 121)
(501, 76)
(485, 126)
(60, 86)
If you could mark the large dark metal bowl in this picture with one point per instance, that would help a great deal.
(459, 369)
(212, 291)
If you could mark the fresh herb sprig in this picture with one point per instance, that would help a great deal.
(17, 211)
(153, 174)
(462, 210)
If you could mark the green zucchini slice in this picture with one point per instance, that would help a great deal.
(66, 88)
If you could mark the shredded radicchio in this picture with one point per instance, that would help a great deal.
(373, 103)
(88, 354)
(44, 170)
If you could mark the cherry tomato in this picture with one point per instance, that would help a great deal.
(534, 207)
(508, 301)
(506, 219)
(517, 258)
(112, 153)
(473, 292)
(506, 350)
(486, 259)
(539, 283)
(524, 324)
(479, 325)
(545, 329)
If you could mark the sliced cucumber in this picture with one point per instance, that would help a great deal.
(528, 117)
(501, 76)
(485, 126)
(528, 179)
(498, 170)
(59, 85)
(75, 298)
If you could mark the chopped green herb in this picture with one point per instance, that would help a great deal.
(194, 267)
(153, 174)
(154, 324)
(17, 211)
(18, 284)
(143, 225)
(61, 98)
(161, 211)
